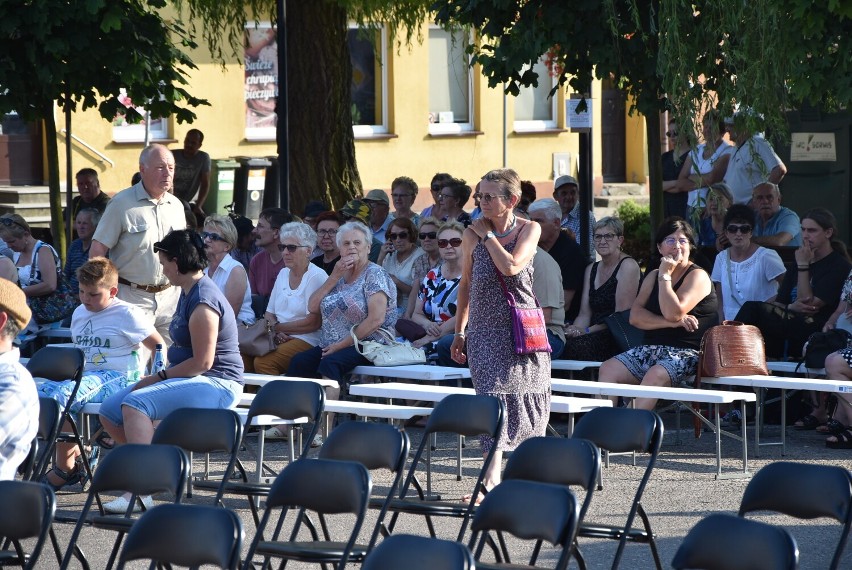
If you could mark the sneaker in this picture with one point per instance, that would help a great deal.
(317, 442)
(275, 433)
(119, 505)
(732, 419)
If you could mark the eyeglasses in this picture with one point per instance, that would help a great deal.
(427, 235)
(211, 236)
(326, 232)
(671, 242)
(604, 237)
(400, 235)
(445, 196)
(455, 242)
(400, 196)
(487, 198)
(743, 228)
(9, 222)
(290, 247)
(671, 133)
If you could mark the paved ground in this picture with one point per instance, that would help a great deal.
(681, 491)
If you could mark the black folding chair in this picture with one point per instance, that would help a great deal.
(205, 430)
(419, 553)
(459, 414)
(726, 542)
(526, 510)
(59, 364)
(186, 535)
(623, 430)
(26, 511)
(49, 417)
(803, 491)
(275, 403)
(321, 486)
(135, 468)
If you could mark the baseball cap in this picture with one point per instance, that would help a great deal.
(563, 180)
(357, 209)
(314, 208)
(378, 195)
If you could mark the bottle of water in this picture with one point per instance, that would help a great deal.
(158, 362)
(133, 368)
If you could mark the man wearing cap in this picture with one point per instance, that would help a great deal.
(19, 407)
(266, 265)
(566, 191)
(135, 218)
(380, 216)
(359, 210)
(752, 162)
(776, 225)
(313, 209)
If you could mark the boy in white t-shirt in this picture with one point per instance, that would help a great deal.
(108, 331)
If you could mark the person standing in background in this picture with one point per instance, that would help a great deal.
(192, 173)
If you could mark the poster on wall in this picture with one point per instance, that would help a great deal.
(261, 83)
(812, 147)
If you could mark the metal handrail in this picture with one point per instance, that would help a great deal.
(83, 143)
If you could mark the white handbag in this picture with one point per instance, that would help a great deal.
(393, 353)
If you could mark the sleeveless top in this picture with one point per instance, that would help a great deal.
(602, 299)
(706, 311)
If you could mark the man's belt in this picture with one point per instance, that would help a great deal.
(146, 288)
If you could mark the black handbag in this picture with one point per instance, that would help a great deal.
(821, 344)
(58, 305)
(626, 335)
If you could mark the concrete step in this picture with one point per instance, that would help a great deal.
(36, 214)
(623, 189)
(24, 194)
(615, 201)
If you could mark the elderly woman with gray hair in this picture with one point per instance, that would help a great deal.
(220, 238)
(296, 327)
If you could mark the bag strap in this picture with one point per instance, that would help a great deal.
(391, 339)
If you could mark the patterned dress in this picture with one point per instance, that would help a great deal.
(522, 381)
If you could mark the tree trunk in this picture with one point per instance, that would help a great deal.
(655, 172)
(319, 74)
(57, 225)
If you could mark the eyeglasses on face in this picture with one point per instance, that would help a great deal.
(395, 236)
(604, 237)
(427, 235)
(290, 247)
(487, 198)
(400, 196)
(741, 228)
(212, 236)
(445, 196)
(455, 242)
(326, 232)
(671, 242)
(671, 133)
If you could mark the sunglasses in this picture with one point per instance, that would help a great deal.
(487, 198)
(9, 222)
(395, 236)
(211, 236)
(290, 247)
(743, 229)
(455, 242)
(427, 235)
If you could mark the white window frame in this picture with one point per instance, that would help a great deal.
(124, 132)
(367, 131)
(536, 125)
(436, 128)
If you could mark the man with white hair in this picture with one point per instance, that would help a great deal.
(776, 225)
(134, 220)
(565, 251)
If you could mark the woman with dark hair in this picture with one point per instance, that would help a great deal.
(809, 293)
(397, 257)
(453, 197)
(205, 369)
(675, 305)
(436, 210)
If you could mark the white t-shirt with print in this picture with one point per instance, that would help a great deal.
(107, 338)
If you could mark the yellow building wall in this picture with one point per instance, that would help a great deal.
(412, 152)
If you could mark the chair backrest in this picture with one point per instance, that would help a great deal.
(559, 461)
(803, 491)
(142, 470)
(204, 430)
(466, 414)
(186, 535)
(620, 430)
(57, 363)
(290, 401)
(726, 542)
(528, 510)
(49, 424)
(418, 553)
(27, 512)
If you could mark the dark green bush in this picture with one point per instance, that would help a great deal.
(637, 231)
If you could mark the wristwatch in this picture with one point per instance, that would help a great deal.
(665, 277)
(487, 237)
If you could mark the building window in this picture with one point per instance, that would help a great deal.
(535, 110)
(450, 82)
(124, 130)
(261, 81)
(368, 54)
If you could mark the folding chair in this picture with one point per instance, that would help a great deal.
(275, 403)
(324, 487)
(375, 446)
(527, 510)
(419, 553)
(186, 535)
(58, 364)
(726, 542)
(462, 415)
(27, 512)
(137, 469)
(803, 491)
(48, 429)
(205, 430)
(622, 430)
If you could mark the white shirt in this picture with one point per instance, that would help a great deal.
(750, 165)
(220, 278)
(292, 304)
(753, 279)
(704, 166)
(108, 337)
(403, 271)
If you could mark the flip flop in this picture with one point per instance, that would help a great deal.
(831, 427)
(806, 423)
(844, 440)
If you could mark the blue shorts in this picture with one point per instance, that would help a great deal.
(95, 387)
(159, 400)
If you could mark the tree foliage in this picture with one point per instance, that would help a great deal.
(84, 54)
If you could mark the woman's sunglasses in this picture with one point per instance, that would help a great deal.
(455, 242)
